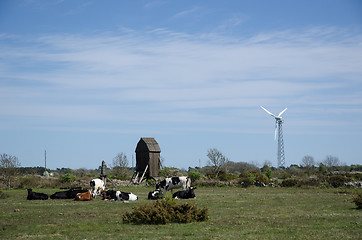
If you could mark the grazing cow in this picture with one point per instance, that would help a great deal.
(118, 196)
(85, 196)
(36, 196)
(154, 195)
(174, 182)
(97, 185)
(70, 194)
(189, 193)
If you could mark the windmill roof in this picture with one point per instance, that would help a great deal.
(151, 144)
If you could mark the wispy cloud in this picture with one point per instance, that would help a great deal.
(186, 12)
(118, 76)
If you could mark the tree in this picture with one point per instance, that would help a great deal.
(267, 163)
(217, 160)
(331, 161)
(308, 163)
(8, 167)
(120, 164)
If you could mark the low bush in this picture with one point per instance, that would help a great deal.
(357, 199)
(227, 176)
(247, 179)
(215, 183)
(312, 181)
(166, 211)
(246, 182)
(337, 180)
(29, 181)
(67, 178)
(289, 182)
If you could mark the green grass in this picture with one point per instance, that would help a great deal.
(235, 213)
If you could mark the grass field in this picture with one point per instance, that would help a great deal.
(235, 213)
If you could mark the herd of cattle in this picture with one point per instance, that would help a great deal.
(97, 188)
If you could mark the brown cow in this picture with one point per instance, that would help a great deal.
(86, 196)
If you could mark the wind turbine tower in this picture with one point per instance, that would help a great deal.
(279, 128)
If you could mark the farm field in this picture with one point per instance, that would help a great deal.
(235, 213)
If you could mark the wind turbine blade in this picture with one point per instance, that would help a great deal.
(282, 112)
(268, 112)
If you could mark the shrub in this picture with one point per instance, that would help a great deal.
(67, 178)
(357, 199)
(166, 211)
(262, 178)
(337, 180)
(227, 176)
(194, 176)
(290, 182)
(169, 171)
(269, 173)
(29, 181)
(247, 179)
(253, 178)
(311, 181)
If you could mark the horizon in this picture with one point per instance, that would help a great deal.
(86, 80)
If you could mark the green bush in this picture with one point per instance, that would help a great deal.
(262, 178)
(67, 178)
(227, 176)
(252, 178)
(357, 199)
(194, 176)
(166, 211)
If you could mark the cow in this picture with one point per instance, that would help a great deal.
(36, 196)
(118, 196)
(154, 195)
(74, 192)
(189, 193)
(70, 194)
(97, 185)
(174, 182)
(85, 196)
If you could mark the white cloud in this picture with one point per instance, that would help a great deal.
(78, 77)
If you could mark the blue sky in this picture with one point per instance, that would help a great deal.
(86, 80)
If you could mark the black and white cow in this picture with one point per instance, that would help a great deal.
(36, 196)
(189, 193)
(174, 182)
(97, 185)
(154, 195)
(70, 194)
(118, 196)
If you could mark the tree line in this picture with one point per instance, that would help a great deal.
(219, 167)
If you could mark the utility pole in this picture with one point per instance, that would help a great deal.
(45, 174)
(45, 160)
(103, 172)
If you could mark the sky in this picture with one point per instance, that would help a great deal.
(85, 80)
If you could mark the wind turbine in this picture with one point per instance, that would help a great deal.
(278, 126)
